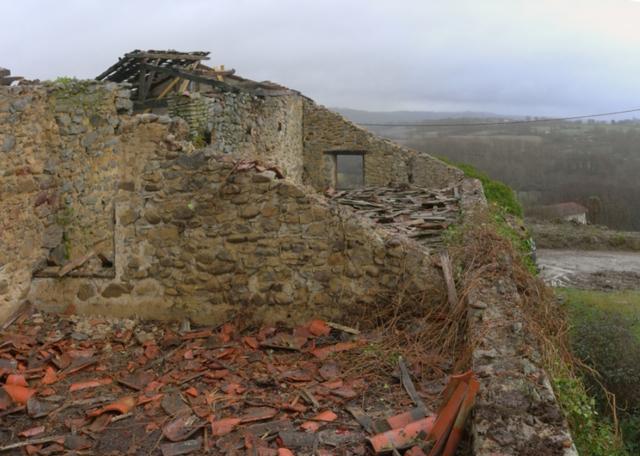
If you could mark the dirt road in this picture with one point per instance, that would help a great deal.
(601, 270)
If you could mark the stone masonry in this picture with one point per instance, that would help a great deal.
(327, 133)
(185, 232)
(208, 241)
(57, 174)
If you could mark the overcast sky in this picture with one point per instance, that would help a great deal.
(540, 57)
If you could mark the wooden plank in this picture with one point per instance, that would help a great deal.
(168, 55)
(111, 69)
(191, 77)
(142, 78)
(185, 84)
(447, 270)
(409, 387)
(167, 89)
(143, 90)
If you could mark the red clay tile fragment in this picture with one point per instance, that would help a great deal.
(345, 392)
(87, 353)
(233, 388)
(415, 451)
(122, 405)
(90, 384)
(285, 452)
(45, 392)
(16, 379)
(251, 342)
(402, 419)
(297, 376)
(144, 399)
(217, 374)
(151, 350)
(329, 371)
(294, 407)
(223, 426)
(314, 425)
(50, 376)
(258, 414)
(319, 328)
(402, 437)
(32, 432)
(227, 332)
(333, 384)
(191, 391)
(151, 427)
(19, 394)
(32, 449)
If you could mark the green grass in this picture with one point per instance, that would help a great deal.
(587, 305)
(495, 191)
(605, 335)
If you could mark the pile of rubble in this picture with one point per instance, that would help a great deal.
(418, 213)
(83, 385)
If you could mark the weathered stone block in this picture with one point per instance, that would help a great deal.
(115, 290)
(52, 236)
(86, 291)
(250, 211)
(152, 215)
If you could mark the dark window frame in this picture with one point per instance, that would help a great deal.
(347, 152)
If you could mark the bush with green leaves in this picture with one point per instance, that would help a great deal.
(495, 191)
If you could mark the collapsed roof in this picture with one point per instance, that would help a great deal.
(155, 74)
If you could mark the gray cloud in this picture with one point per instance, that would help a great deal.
(511, 56)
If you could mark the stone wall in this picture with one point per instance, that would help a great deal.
(178, 232)
(516, 411)
(267, 128)
(207, 241)
(327, 133)
(58, 158)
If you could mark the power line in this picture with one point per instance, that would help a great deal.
(509, 122)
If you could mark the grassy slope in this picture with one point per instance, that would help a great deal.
(586, 305)
(605, 334)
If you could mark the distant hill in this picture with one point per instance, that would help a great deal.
(359, 116)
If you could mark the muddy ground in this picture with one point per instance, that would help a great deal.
(590, 270)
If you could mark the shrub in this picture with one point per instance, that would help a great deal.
(606, 343)
(495, 191)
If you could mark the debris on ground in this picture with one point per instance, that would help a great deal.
(90, 385)
(418, 213)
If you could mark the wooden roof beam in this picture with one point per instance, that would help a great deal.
(167, 55)
(176, 72)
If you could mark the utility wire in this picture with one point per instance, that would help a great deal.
(508, 122)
